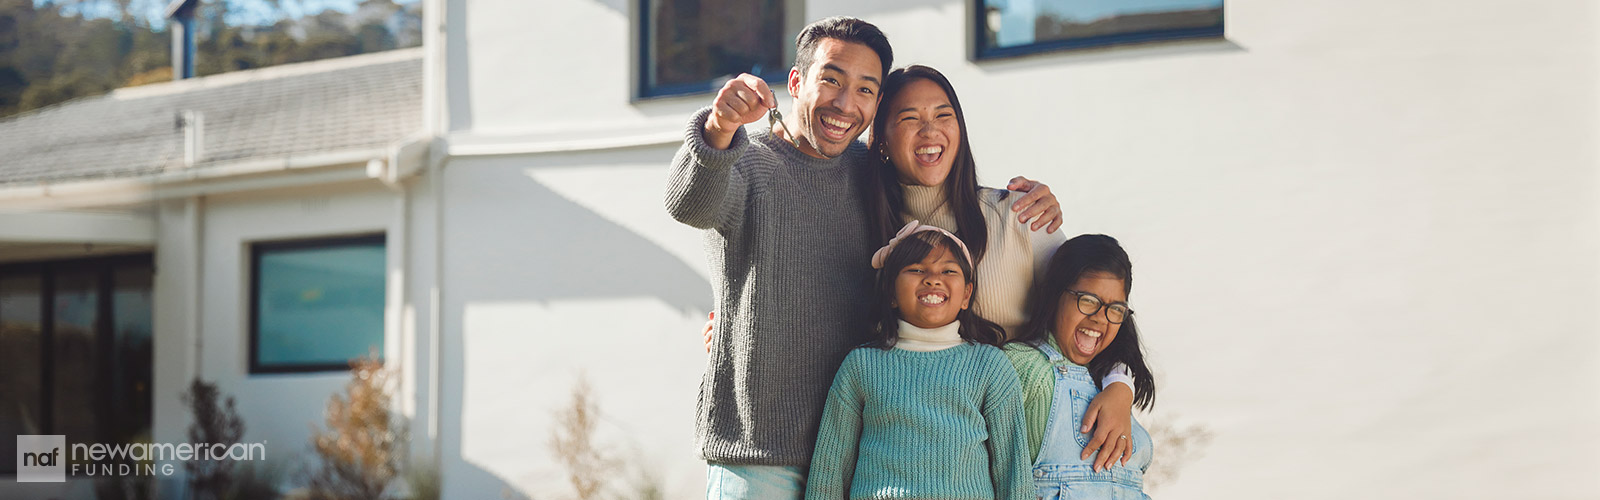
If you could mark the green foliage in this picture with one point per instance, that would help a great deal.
(50, 54)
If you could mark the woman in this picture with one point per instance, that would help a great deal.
(927, 173)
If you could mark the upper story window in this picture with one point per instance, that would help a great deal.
(316, 304)
(693, 46)
(1016, 27)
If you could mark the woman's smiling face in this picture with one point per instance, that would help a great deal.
(1081, 336)
(923, 135)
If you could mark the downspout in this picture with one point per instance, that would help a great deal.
(435, 124)
(436, 314)
(404, 159)
(193, 209)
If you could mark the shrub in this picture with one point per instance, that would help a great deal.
(361, 448)
(213, 423)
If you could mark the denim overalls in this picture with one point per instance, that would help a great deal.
(1058, 473)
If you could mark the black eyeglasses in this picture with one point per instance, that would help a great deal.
(1089, 304)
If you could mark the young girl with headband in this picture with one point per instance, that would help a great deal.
(929, 407)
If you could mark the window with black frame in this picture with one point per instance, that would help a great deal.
(692, 46)
(316, 304)
(1017, 27)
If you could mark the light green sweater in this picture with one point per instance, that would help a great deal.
(1038, 389)
(944, 424)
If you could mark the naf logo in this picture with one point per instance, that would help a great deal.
(41, 459)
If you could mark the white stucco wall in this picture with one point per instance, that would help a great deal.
(277, 409)
(1325, 212)
(549, 278)
(1365, 233)
(511, 72)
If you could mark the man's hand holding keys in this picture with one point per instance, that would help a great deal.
(742, 100)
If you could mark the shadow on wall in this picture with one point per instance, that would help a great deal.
(591, 232)
(552, 248)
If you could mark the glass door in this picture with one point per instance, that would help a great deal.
(76, 350)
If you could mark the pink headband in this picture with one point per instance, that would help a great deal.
(911, 228)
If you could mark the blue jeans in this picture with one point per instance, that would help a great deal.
(754, 482)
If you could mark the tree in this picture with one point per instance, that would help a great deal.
(51, 52)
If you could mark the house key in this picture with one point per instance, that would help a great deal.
(774, 118)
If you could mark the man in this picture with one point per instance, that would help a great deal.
(790, 249)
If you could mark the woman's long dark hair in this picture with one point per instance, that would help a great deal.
(1077, 257)
(886, 201)
(911, 250)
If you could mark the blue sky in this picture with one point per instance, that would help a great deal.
(1016, 26)
(243, 11)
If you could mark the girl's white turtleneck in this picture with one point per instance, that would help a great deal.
(917, 339)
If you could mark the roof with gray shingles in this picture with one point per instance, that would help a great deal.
(346, 104)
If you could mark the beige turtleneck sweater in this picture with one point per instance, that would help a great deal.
(1015, 254)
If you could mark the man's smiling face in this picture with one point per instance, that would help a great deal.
(835, 98)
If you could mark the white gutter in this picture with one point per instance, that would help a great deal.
(98, 228)
(183, 183)
(406, 158)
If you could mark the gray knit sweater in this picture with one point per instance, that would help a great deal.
(787, 240)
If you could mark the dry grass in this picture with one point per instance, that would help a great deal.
(1174, 447)
(574, 445)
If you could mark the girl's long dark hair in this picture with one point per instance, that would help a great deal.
(1077, 257)
(886, 327)
(886, 200)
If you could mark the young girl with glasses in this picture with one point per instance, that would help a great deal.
(1079, 327)
(928, 408)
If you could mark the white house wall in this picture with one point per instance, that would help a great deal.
(1365, 235)
(549, 278)
(546, 69)
(278, 409)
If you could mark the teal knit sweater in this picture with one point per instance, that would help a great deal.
(945, 424)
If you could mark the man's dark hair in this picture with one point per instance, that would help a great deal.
(844, 29)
